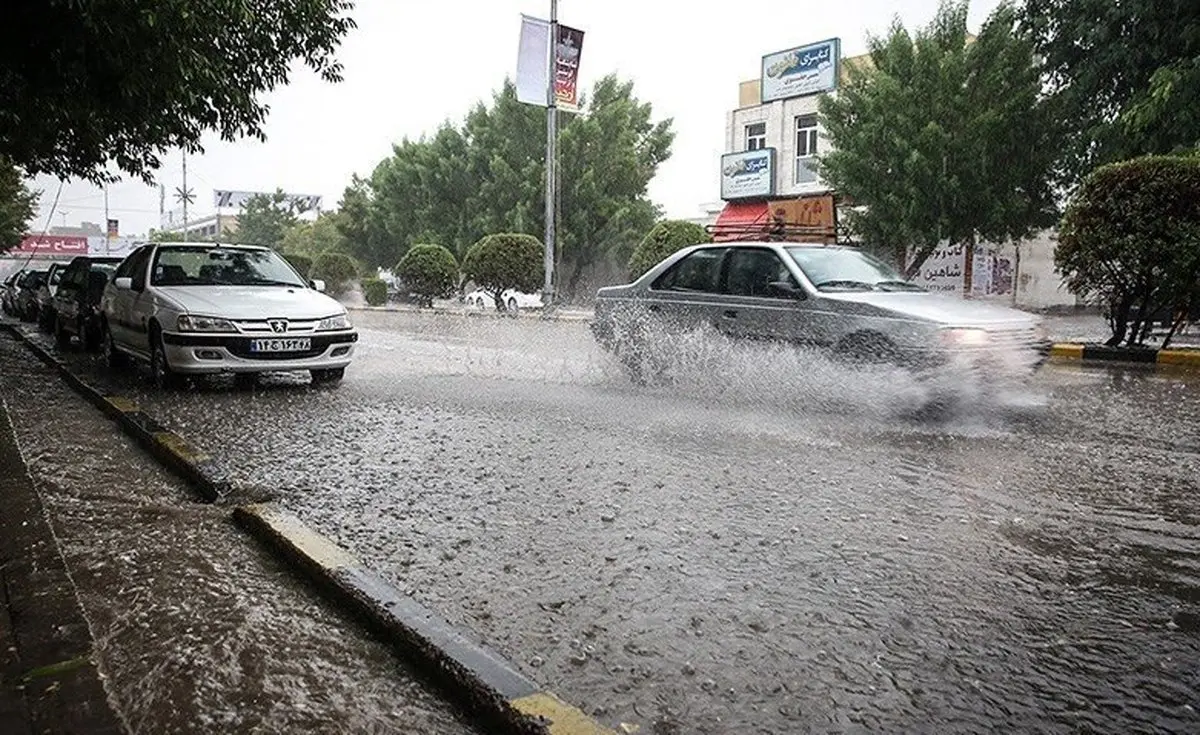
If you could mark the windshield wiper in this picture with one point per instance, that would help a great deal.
(897, 286)
(845, 284)
(272, 282)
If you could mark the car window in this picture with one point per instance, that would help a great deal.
(700, 271)
(752, 270)
(134, 263)
(209, 265)
(847, 269)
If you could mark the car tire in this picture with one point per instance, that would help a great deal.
(161, 373)
(46, 321)
(328, 375)
(114, 357)
(89, 339)
(61, 338)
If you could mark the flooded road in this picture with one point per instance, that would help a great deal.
(764, 545)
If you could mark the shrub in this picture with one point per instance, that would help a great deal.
(503, 261)
(374, 291)
(664, 239)
(1130, 239)
(301, 263)
(336, 269)
(429, 272)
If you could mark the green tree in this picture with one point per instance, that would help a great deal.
(338, 270)
(374, 291)
(488, 176)
(428, 271)
(359, 224)
(313, 238)
(1124, 76)
(1130, 238)
(939, 139)
(124, 81)
(265, 218)
(502, 261)
(301, 263)
(662, 240)
(17, 204)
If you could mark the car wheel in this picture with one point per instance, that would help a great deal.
(114, 357)
(160, 370)
(328, 375)
(89, 339)
(61, 338)
(45, 322)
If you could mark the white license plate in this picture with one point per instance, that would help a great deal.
(296, 344)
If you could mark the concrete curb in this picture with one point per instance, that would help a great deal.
(474, 314)
(491, 687)
(1099, 353)
(206, 476)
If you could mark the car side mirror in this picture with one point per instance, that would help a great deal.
(787, 288)
(318, 284)
(124, 283)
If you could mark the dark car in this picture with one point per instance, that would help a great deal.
(26, 299)
(77, 301)
(8, 293)
(45, 296)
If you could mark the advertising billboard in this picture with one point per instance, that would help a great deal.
(802, 71)
(227, 199)
(748, 175)
(52, 245)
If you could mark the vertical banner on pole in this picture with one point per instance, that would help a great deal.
(533, 54)
(567, 48)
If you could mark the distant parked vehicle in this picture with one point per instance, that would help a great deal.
(77, 300)
(45, 296)
(26, 304)
(512, 300)
(8, 292)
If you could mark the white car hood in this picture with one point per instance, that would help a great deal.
(946, 310)
(252, 302)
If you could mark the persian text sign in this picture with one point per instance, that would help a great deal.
(801, 71)
(748, 175)
(52, 245)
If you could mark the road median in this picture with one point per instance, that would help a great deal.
(1093, 353)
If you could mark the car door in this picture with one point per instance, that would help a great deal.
(764, 300)
(143, 305)
(119, 303)
(688, 295)
(66, 298)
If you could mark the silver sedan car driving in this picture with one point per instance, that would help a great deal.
(829, 296)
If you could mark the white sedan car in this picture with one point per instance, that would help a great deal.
(205, 308)
(513, 300)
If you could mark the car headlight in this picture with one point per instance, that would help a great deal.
(332, 323)
(191, 323)
(964, 337)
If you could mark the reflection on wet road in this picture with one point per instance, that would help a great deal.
(762, 546)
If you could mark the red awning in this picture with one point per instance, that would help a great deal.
(738, 219)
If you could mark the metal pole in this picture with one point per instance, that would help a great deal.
(185, 199)
(551, 140)
(107, 234)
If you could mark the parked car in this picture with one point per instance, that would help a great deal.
(512, 300)
(8, 292)
(836, 297)
(77, 300)
(26, 304)
(45, 296)
(204, 308)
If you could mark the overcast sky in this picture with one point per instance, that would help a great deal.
(411, 65)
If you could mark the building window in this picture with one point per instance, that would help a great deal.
(806, 149)
(756, 136)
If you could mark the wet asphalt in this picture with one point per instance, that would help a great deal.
(768, 543)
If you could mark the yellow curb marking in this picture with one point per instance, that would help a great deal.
(564, 719)
(1067, 350)
(179, 447)
(122, 404)
(1179, 357)
(309, 543)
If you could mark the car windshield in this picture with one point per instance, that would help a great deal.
(846, 269)
(213, 265)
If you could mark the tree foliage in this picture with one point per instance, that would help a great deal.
(265, 219)
(338, 270)
(502, 261)
(374, 291)
(314, 237)
(17, 205)
(662, 240)
(939, 139)
(428, 271)
(1130, 238)
(1125, 76)
(89, 84)
(302, 263)
(487, 175)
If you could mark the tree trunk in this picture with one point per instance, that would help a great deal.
(1118, 321)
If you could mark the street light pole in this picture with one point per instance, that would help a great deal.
(551, 141)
